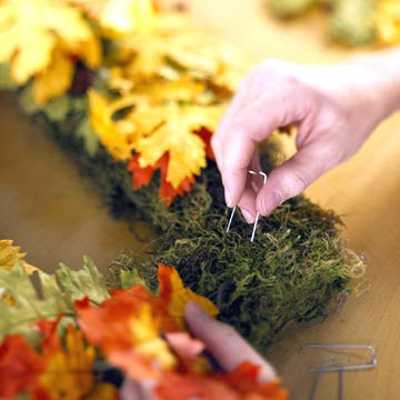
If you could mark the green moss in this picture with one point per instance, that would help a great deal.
(294, 271)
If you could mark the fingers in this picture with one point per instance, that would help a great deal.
(248, 122)
(131, 391)
(291, 178)
(224, 343)
(247, 202)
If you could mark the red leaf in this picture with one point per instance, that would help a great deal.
(206, 135)
(140, 176)
(20, 366)
(167, 192)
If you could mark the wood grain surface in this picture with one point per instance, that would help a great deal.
(55, 214)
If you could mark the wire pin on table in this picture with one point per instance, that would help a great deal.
(253, 234)
(341, 368)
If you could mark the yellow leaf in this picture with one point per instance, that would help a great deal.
(148, 342)
(117, 138)
(10, 255)
(55, 80)
(172, 39)
(169, 129)
(119, 17)
(388, 21)
(103, 391)
(31, 30)
(68, 373)
(176, 296)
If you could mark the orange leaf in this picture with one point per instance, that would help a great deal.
(176, 296)
(244, 379)
(20, 366)
(127, 327)
(240, 384)
(175, 386)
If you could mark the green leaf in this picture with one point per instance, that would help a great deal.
(90, 139)
(25, 305)
(27, 102)
(57, 109)
(6, 81)
(87, 282)
(26, 300)
(131, 278)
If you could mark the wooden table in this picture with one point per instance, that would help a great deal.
(56, 215)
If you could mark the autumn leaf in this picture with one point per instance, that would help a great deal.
(32, 35)
(118, 18)
(117, 138)
(176, 296)
(127, 327)
(172, 133)
(142, 176)
(244, 379)
(55, 80)
(68, 370)
(20, 367)
(388, 21)
(240, 384)
(10, 255)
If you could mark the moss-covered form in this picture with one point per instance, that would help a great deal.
(294, 271)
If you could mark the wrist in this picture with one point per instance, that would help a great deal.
(379, 77)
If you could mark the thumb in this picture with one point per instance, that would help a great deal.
(224, 343)
(291, 178)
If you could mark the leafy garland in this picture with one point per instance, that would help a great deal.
(352, 22)
(62, 334)
(140, 126)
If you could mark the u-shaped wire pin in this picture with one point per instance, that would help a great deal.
(253, 234)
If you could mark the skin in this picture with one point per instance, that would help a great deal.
(335, 109)
(227, 347)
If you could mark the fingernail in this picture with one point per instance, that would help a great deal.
(248, 216)
(228, 198)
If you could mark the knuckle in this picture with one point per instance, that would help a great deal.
(293, 184)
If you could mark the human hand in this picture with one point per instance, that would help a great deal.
(335, 109)
(227, 347)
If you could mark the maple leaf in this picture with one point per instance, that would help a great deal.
(68, 370)
(32, 35)
(239, 384)
(119, 17)
(50, 297)
(142, 176)
(55, 80)
(127, 327)
(117, 138)
(20, 366)
(170, 130)
(176, 296)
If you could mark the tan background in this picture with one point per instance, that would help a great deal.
(56, 215)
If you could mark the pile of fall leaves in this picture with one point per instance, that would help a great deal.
(60, 333)
(156, 86)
